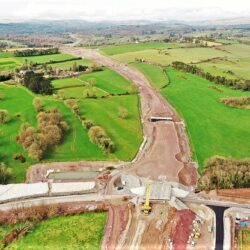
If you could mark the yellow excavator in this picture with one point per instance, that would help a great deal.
(146, 207)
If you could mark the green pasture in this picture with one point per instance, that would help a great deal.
(166, 57)
(155, 74)
(126, 133)
(82, 231)
(214, 128)
(109, 81)
(121, 49)
(69, 64)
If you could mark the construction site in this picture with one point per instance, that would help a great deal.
(156, 218)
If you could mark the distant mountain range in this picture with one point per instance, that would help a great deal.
(68, 26)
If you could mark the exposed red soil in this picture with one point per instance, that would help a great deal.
(181, 228)
(116, 224)
(188, 175)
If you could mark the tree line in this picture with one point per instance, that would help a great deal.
(237, 102)
(37, 83)
(36, 52)
(50, 131)
(233, 83)
(97, 134)
(5, 77)
(225, 173)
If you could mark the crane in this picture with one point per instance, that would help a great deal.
(146, 207)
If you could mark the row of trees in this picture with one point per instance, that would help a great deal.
(5, 77)
(51, 128)
(37, 83)
(238, 102)
(36, 52)
(224, 173)
(96, 134)
(234, 83)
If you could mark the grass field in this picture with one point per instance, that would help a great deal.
(214, 128)
(109, 81)
(8, 64)
(237, 50)
(126, 133)
(75, 146)
(67, 82)
(155, 74)
(244, 239)
(44, 58)
(4, 54)
(69, 64)
(166, 57)
(120, 49)
(83, 92)
(84, 231)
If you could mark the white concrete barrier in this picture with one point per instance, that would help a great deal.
(21, 191)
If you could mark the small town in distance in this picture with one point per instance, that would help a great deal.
(125, 130)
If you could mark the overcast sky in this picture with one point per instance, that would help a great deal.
(95, 10)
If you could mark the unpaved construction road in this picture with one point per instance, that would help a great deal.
(166, 152)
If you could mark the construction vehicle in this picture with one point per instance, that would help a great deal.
(146, 207)
(197, 235)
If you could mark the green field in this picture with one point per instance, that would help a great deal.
(82, 92)
(9, 64)
(166, 57)
(4, 54)
(155, 74)
(44, 58)
(67, 82)
(214, 128)
(109, 81)
(69, 64)
(126, 133)
(83, 231)
(120, 49)
(75, 146)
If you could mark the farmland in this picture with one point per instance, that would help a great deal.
(154, 73)
(167, 56)
(44, 58)
(58, 232)
(69, 64)
(121, 49)
(230, 60)
(126, 133)
(76, 144)
(212, 126)
(109, 81)
(9, 62)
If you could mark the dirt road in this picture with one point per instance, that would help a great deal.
(167, 150)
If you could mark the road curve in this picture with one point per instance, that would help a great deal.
(167, 150)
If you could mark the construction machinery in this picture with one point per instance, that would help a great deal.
(146, 207)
